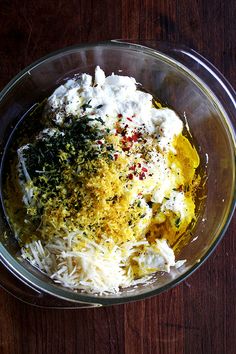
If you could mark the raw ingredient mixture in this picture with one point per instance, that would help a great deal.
(108, 186)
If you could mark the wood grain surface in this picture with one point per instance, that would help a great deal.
(199, 315)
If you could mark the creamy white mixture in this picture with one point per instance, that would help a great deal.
(113, 95)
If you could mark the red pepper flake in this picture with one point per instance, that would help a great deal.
(135, 136)
(116, 156)
(126, 148)
(129, 119)
(99, 142)
(139, 164)
(120, 115)
(141, 175)
(127, 143)
(132, 168)
(144, 169)
(130, 176)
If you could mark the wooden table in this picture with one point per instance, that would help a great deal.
(199, 315)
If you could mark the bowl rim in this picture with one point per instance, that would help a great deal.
(17, 269)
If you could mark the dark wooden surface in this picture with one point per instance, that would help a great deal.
(199, 315)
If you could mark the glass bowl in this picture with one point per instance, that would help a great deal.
(183, 80)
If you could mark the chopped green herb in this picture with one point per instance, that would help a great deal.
(99, 119)
(177, 222)
(110, 148)
(86, 105)
(186, 188)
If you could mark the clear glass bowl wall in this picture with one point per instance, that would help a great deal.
(184, 81)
